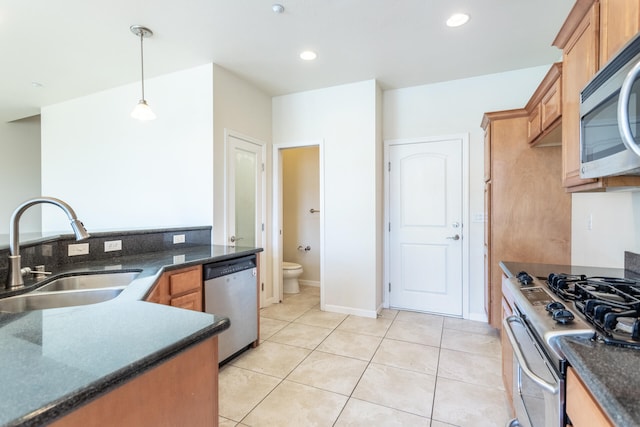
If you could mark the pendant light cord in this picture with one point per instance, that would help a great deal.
(142, 61)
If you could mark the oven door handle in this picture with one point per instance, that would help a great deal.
(624, 124)
(522, 361)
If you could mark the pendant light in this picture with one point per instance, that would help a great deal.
(142, 111)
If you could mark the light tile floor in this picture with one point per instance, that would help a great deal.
(315, 368)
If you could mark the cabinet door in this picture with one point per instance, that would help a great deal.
(192, 301)
(551, 105)
(487, 153)
(580, 64)
(186, 280)
(534, 123)
(582, 408)
(619, 22)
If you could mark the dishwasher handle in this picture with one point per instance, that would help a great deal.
(231, 266)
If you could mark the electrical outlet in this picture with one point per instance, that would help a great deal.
(113, 245)
(179, 259)
(78, 249)
(178, 238)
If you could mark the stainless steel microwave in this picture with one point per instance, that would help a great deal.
(610, 117)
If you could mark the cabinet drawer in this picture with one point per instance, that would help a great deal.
(192, 301)
(190, 280)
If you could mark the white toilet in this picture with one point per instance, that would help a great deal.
(290, 273)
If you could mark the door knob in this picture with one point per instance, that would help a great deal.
(456, 237)
(234, 238)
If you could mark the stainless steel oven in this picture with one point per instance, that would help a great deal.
(538, 390)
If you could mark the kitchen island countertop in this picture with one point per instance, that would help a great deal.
(55, 360)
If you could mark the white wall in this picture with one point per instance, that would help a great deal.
(20, 172)
(119, 173)
(456, 107)
(603, 226)
(344, 117)
(240, 107)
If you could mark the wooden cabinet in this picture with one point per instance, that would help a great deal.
(183, 391)
(179, 288)
(582, 408)
(590, 31)
(528, 211)
(545, 110)
(619, 22)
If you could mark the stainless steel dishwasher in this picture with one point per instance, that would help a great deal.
(231, 290)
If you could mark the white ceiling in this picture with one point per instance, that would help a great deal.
(78, 47)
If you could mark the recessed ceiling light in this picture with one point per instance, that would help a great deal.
(277, 8)
(36, 84)
(457, 19)
(308, 55)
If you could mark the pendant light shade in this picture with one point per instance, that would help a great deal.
(142, 111)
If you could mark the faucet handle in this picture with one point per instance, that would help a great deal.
(39, 271)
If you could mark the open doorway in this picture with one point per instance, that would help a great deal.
(298, 213)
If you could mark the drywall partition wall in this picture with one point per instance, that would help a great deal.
(243, 109)
(20, 172)
(455, 107)
(603, 226)
(120, 173)
(344, 118)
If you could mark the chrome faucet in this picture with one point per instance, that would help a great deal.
(15, 271)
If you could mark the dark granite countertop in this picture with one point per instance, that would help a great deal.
(611, 373)
(55, 360)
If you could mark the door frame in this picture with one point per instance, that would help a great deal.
(465, 232)
(276, 234)
(263, 208)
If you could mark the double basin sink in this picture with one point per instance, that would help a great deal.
(71, 290)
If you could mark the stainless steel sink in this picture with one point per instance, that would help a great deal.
(90, 281)
(44, 300)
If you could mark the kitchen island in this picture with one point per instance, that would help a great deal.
(57, 361)
(609, 373)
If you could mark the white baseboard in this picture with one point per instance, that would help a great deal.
(479, 317)
(350, 310)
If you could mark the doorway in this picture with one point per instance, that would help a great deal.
(245, 195)
(298, 213)
(426, 243)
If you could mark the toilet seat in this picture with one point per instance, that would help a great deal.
(290, 265)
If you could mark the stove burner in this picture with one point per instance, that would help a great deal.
(612, 305)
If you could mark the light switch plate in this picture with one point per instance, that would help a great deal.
(178, 238)
(78, 249)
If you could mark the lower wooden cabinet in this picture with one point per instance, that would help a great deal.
(183, 391)
(179, 288)
(582, 408)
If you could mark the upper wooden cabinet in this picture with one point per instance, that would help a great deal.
(593, 30)
(545, 110)
(619, 22)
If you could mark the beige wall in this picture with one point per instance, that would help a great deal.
(300, 193)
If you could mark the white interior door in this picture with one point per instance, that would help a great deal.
(245, 195)
(425, 230)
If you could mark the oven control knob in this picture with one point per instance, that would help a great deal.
(563, 316)
(553, 306)
(524, 278)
